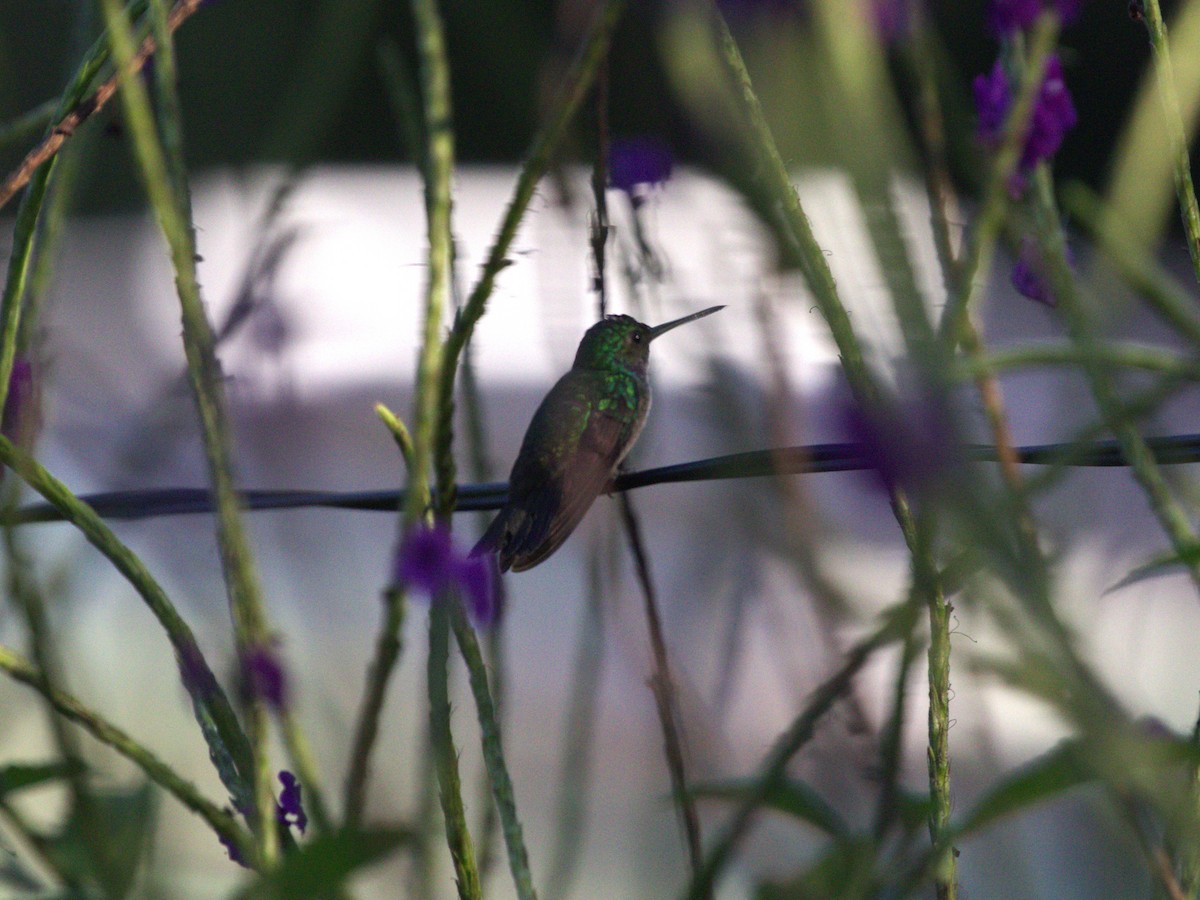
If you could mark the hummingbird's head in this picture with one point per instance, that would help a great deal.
(615, 341)
(624, 342)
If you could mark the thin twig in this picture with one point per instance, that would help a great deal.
(107, 733)
(1184, 192)
(68, 124)
(159, 154)
(662, 685)
(897, 623)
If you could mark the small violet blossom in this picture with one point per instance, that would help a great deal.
(234, 853)
(263, 676)
(909, 445)
(1053, 116)
(1029, 273)
(638, 165)
(20, 422)
(428, 562)
(892, 18)
(735, 10)
(1005, 17)
(289, 810)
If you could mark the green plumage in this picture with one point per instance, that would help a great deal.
(580, 433)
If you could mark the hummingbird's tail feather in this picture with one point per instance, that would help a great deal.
(494, 538)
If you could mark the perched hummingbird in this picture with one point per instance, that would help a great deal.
(579, 435)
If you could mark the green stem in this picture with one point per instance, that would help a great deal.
(773, 772)
(439, 134)
(580, 747)
(1146, 470)
(493, 751)
(1186, 194)
(1110, 356)
(387, 651)
(107, 733)
(28, 599)
(662, 685)
(928, 587)
(545, 144)
(159, 155)
(226, 741)
(458, 836)
(1166, 298)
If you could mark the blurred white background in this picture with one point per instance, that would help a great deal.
(334, 331)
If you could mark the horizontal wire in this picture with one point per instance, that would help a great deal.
(806, 460)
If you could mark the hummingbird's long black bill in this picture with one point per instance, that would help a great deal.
(658, 330)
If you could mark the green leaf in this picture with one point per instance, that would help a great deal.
(1167, 563)
(845, 871)
(913, 808)
(125, 821)
(1042, 779)
(15, 874)
(791, 797)
(320, 866)
(19, 776)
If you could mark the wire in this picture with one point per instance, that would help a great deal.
(815, 459)
(806, 460)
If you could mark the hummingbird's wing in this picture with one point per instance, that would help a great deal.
(550, 496)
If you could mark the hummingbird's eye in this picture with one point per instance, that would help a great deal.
(636, 337)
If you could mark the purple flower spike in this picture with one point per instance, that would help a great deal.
(429, 562)
(736, 10)
(263, 676)
(482, 588)
(21, 421)
(1069, 10)
(1053, 116)
(232, 850)
(637, 165)
(289, 810)
(198, 678)
(1028, 276)
(1029, 273)
(892, 19)
(909, 445)
(426, 560)
(1007, 16)
(993, 97)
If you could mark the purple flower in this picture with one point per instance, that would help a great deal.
(263, 677)
(992, 101)
(910, 445)
(198, 678)
(1006, 16)
(289, 810)
(1029, 273)
(428, 562)
(892, 18)
(231, 848)
(1069, 10)
(1053, 116)
(637, 165)
(734, 10)
(21, 420)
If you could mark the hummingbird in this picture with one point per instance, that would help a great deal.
(580, 433)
